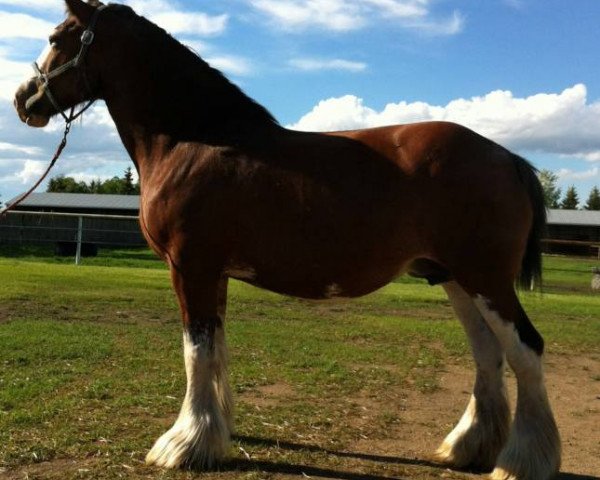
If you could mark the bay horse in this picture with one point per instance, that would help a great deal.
(229, 193)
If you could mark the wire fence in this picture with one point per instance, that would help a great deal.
(71, 233)
(81, 234)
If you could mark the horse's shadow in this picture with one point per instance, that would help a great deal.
(303, 471)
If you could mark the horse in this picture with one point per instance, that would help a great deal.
(227, 192)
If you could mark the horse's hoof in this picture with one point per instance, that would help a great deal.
(530, 455)
(479, 437)
(191, 448)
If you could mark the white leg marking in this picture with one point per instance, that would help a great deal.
(483, 429)
(200, 436)
(221, 380)
(533, 449)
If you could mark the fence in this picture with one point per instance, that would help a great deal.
(571, 247)
(71, 233)
(77, 233)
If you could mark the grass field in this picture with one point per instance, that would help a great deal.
(91, 368)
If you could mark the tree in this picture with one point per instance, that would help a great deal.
(128, 185)
(64, 184)
(571, 199)
(115, 185)
(95, 186)
(551, 190)
(593, 201)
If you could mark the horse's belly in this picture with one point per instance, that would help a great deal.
(314, 282)
(314, 290)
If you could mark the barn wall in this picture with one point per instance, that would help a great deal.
(38, 229)
(572, 239)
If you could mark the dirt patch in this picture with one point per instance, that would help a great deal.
(53, 470)
(425, 418)
(5, 313)
(401, 427)
(574, 389)
(268, 395)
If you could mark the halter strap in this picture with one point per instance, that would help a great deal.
(87, 37)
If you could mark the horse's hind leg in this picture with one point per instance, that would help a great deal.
(200, 436)
(533, 448)
(483, 429)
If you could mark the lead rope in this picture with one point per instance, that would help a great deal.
(61, 147)
(86, 40)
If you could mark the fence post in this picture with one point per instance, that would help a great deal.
(79, 237)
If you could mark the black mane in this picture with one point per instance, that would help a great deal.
(207, 89)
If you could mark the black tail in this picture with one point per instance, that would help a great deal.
(531, 265)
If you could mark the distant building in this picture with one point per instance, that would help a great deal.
(573, 232)
(20, 227)
(80, 203)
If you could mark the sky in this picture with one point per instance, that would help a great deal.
(525, 73)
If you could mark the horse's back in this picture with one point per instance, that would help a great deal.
(314, 214)
(470, 198)
(425, 147)
(448, 172)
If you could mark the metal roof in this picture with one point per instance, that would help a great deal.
(80, 201)
(588, 218)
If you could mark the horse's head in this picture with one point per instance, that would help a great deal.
(64, 74)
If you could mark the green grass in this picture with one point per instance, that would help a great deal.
(107, 256)
(91, 368)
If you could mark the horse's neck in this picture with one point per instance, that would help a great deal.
(154, 119)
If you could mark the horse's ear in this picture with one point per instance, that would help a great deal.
(80, 10)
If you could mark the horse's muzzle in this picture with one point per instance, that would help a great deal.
(30, 104)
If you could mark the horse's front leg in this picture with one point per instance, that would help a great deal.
(200, 436)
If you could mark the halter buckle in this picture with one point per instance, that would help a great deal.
(87, 37)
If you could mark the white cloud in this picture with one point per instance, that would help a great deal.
(11, 75)
(9, 147)
(37, 5)
(592, 156)
(20, 25)
(98, 115)
(339, 15)
(31, 171)
(341, 113)
(191, 23)
(401, 8)
(172, 18)
(562, 123)
(231, 64)
(150, 7)
(313, 64)
(94, 149)
(450, 26)
(196, 45)
(347, 15)
(16, 55)
(568, 174)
